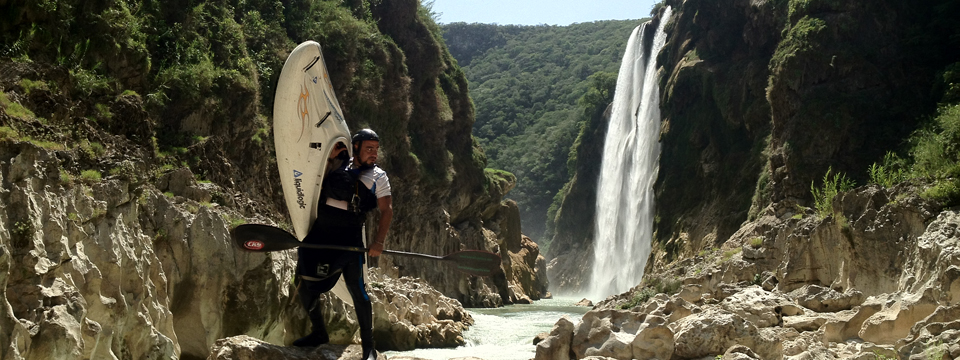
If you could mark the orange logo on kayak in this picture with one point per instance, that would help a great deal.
(253, 244)
(302, 107)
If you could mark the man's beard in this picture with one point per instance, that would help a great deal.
(367, 164)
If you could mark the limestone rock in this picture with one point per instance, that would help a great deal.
(671, 308)
(895, 320)
(822, 299)
(115, 262)
(938, 333)
(584, 302)
(247, 348)
(762, 308)
(557, 346)
(654, 339)
(740, 352)
(713, 331)
(607, 333)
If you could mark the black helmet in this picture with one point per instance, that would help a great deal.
(365, 134)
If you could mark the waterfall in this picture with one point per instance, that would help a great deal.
(624, 218)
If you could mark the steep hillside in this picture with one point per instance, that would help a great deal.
(525, 82)
(134, 134)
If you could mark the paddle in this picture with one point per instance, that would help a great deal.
(264, 238)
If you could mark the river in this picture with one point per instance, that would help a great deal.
(505, 333)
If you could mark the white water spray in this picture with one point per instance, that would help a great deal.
(631, 152)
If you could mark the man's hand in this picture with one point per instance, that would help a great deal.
(376, 249)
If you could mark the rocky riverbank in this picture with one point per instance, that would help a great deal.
(878, 279)
(141, 265)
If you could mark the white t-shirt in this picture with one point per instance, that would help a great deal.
(373, 178)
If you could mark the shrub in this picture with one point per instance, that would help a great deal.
(823, 197)
(65, 177)
(90, 176)
(946, 192)
(935, 146)
(891, 172)
(756, 242)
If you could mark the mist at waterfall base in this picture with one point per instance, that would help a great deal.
(624, 212)
(505, 333)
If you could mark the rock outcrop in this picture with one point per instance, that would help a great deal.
(111, 268)
(878, 278)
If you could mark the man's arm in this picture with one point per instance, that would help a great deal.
(385, 205)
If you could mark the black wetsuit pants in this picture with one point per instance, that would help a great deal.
(335, 227)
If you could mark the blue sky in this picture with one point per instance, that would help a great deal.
(535, 12)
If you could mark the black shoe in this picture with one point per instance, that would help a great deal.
(369, 354)
(313, 339)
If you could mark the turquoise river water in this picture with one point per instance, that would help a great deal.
(505, 333)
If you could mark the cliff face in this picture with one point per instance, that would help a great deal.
(761, 98)
(758, 100)
(129, 150)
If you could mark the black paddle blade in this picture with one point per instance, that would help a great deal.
(475, 262)
(263, 238)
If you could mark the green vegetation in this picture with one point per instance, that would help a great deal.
(15, 109)
(891, 172)
(92, 149)
(727, 255)
(654, 286)
(30, 86)
(8, 133)
(90, 176)
(823, 197)
(103, 112)
(65, 177)
(935, 351)
(21, 231)
(49, 145)
(233, 220)
(526, 82)
(756, 242)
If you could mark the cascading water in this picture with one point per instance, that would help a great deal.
(631, 152)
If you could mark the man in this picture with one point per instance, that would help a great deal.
(349, 192)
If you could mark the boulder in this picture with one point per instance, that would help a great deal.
(408, 313)
(762, 308)
(740, 352)
(607, 333)
(557, 346)
(712, 332)
(672, 308)
(898, 316)
(654, 340)
(823, 299)
(847, 324)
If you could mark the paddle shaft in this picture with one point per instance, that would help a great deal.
(360, 249)
(264, 238)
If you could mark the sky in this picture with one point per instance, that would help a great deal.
(536, 12)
